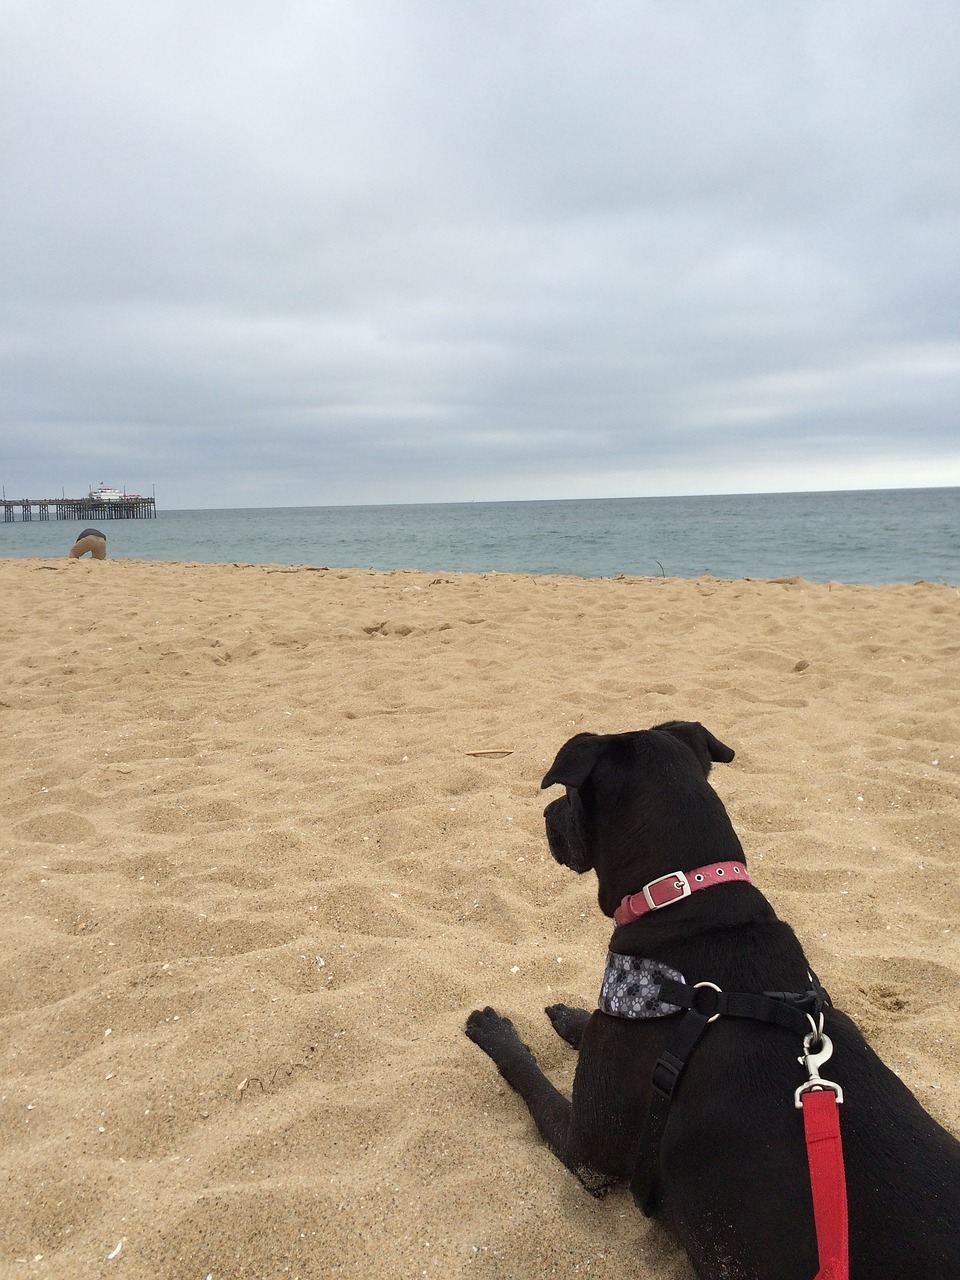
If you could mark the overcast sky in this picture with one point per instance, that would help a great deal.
(272, 252)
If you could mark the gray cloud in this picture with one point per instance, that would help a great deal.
(391, 251)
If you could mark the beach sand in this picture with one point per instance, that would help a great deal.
(268, 834)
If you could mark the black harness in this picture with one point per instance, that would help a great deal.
(705, 1002)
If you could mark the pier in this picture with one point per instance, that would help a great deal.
(128, 506)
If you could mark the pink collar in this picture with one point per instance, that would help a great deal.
(678, 884)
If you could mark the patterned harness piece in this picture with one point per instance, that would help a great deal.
(631, 987)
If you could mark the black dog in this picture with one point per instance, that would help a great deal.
(728, 1176)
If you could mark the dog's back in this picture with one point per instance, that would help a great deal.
(735, 1139)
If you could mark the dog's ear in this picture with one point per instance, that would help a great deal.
(700, 740)
(575, 760)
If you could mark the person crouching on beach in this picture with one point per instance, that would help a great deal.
(91, 540)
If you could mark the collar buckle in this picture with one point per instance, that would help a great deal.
(680, 883)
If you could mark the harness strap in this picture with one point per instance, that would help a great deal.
(821, 1123)
(738, 1004)
(774, 1009)
(666, 1076)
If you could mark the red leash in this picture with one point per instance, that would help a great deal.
(821, 1123)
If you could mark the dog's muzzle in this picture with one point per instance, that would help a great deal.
(564, 839)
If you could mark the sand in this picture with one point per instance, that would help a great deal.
(268, 834)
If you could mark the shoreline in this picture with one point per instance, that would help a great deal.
(269, 835)
(50, 562)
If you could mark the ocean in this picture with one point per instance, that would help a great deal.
(880, 536)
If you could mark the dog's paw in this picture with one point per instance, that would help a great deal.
(598, 1184)
(495, 1034)
(568, 1023)
(484, 1024)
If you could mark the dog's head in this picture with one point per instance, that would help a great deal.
(638, 805)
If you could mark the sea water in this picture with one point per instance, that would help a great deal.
(865, 536)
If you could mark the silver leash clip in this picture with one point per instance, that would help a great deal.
(813, 1062)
